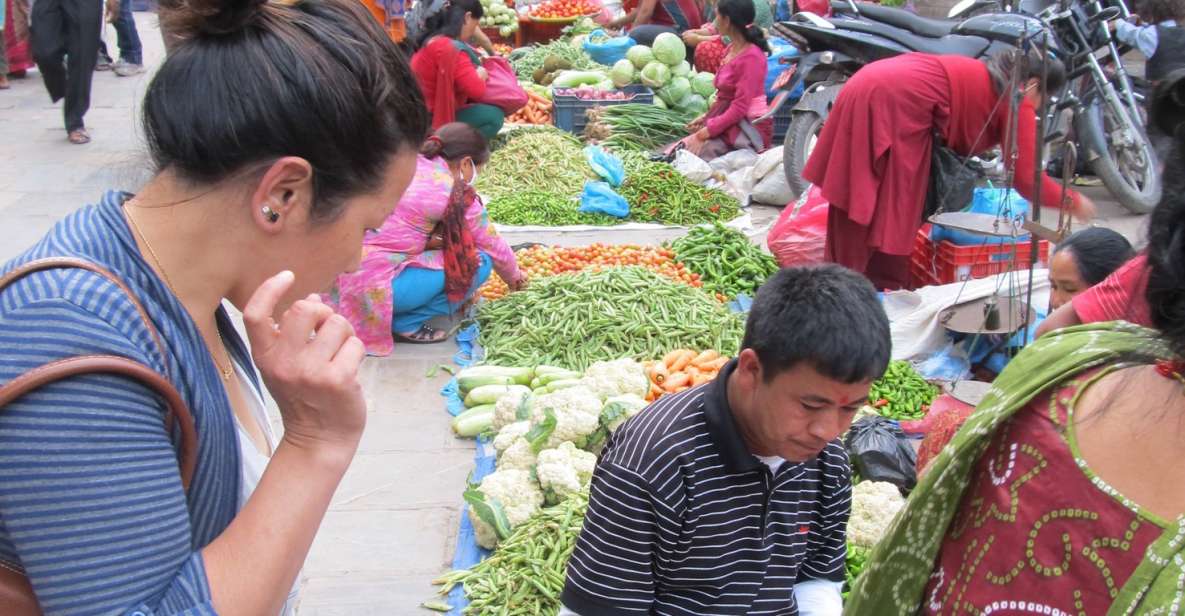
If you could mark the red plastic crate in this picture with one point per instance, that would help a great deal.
(945, 263)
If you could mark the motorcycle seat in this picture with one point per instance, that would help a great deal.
(933, 28)
(951, 44)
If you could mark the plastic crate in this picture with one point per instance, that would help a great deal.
(946, 263)
(570, 110)
(782, 123)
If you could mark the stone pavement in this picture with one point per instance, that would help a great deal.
(392, 524)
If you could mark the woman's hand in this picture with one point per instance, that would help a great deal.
(483, 74)
(309, 361)
(695, 142)
(696, 124)
(1086, 209)
(692, 38)
(435, 242)
(519, 284)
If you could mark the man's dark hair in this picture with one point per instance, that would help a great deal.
(827, 316)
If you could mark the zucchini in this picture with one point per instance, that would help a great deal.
(489, 394)
(474, 421)
(567, 375)
(467, 383)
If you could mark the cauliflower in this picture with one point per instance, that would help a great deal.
(614, 378)
(503, 500)
(563, 471)
(511, 407)
(874, 505)
(575, 413)
(620, 408)
(509, 433)
(519, 455)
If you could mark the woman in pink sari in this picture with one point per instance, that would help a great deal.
(14, 39)
(433, 252)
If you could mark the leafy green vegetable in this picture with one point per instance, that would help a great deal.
(669, 49)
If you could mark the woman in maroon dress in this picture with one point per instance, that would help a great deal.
(872, 160)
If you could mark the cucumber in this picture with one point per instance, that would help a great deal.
(521, 376)
(474, 421)
(489, 394)
(467, 383)
(567, 375)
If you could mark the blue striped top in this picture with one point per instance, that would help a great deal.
(91, 504)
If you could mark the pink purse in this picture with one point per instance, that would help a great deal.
(502, 89)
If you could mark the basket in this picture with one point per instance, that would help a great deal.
(945, 263)
(782, 123)
(569, 111)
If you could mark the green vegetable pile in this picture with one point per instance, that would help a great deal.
(727, 262)
(657, 192)
(857, 558)
(576, 319)
(540, 161)
(526, 575)
(528, 61)
(544, 209)
(635, 127)
(902, 393)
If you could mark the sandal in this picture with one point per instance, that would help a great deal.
(79, 136)
(424, 335)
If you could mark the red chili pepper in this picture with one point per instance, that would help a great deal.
(880, 403)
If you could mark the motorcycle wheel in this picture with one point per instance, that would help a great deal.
(1129, 170)
(801, 136)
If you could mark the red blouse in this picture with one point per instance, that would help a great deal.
(446, 70)
(1119, 297)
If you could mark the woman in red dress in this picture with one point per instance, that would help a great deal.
(872, 159)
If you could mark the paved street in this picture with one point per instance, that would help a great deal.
(391, 527)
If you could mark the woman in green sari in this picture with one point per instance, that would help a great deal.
(1064, 492)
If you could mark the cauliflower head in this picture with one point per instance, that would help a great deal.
(504, 497)
(519, 455)
(512, 407)
(577, 412)
(620, 408)
(613, 378)
(509, 433)
(564, 470)
(874, 505)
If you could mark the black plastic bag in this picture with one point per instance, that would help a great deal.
(880, 451)
(952, 181)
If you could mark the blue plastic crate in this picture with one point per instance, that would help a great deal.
(570, 111)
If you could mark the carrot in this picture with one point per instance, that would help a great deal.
(655, 391)
(681, 389)
(705, 357)
(716, 364)
(692, 371)
(659, 373)
(682, 360)
(700, 379)
(670, 358)
(677, 379)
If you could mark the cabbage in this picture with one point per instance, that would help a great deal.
(640, 56)
(658, 103)
(702, 84)
(693, 104)
(669, 49)
(623, 73)
(656, 75)
(683, 69)
(674, 91)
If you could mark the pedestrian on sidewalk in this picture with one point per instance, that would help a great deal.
(16, 38)
(279, 134)
(3, 48)
(131, 51)
(66, 47)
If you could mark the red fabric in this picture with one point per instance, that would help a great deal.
(460, 249)
(738, 82)
(1030, 530)
(1119, 297)
(709, 55)
(818, 7)
(941, 430)
(847, 244)
(448, 78)
(502, 89)
(873, 154)
(16, 37)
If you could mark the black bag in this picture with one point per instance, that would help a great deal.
(880, 451)
(952, 181)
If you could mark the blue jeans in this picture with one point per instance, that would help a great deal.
(130, 49)
(419, 295)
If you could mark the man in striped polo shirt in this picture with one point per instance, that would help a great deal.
(733, 497)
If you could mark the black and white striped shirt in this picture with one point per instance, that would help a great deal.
(683, 520)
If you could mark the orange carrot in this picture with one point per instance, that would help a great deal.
(659, 373)
(677, 379)
(705, 357)
(716, 364)
(682, 360)
(700, 379)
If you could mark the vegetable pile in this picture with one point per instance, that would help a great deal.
(682, 369)
(874, 505)
(665, 68)
(549, 58)
(901, 393)
(727, 262)
(635, 127)
(496, 14)
(537, 111)
(545, 160)
(657, 192)
(576, 319)
(564, 9)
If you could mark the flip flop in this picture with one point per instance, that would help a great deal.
(424, 335)
(79, 136)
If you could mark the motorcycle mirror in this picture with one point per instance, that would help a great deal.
(1106, 14)
(961, 7)
(1168, 103)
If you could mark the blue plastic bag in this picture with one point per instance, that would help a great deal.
(783, 11)
(1007, 204)
(607, 52)
(606, 165)
(779, 49)
(599, 198)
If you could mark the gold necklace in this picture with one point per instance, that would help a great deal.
(225, 371)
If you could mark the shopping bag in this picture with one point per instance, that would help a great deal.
(599, 198)
(502, 89)
(606, 165)
(880, 451)
(608, 50)
(800, 233)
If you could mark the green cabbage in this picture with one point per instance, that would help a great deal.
(693, 104)
(623, 73)
(669, 49)
(656, 75)
(702, 84)
(658, 103)
(675, 90)
(640, 56)
(683, 69)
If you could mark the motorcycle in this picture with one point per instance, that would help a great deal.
(1106, 119)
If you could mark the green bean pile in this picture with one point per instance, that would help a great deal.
(635, 127)
(543, 161)
(576, 319)
(543, 209)
(857, 558)
(526, 575)
(528, 61)
(657, 192)
(902, 393)
(726, 261)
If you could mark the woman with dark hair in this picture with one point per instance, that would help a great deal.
(1062, 492)
(872, 159)
(1083, 260)
(644, 20)
(740, 88)
(280, 132)
(433, 252)
(449, 71)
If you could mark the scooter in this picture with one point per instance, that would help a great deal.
(1105, 120)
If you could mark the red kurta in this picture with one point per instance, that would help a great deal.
(872, 160)
(446, 70)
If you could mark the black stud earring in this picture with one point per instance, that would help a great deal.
(271, 215)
